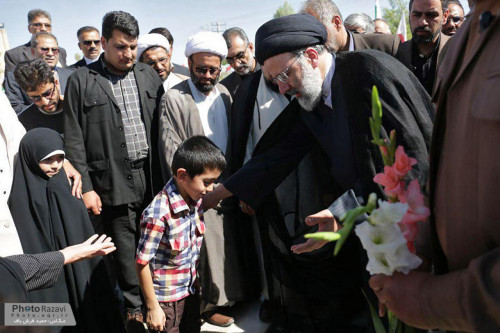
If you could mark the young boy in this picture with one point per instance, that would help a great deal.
(172, 229)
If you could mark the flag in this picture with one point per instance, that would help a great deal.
(402, 28)
(378, 11)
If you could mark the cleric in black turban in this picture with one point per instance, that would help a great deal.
(288, 33)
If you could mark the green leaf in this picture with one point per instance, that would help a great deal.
(394, 323)
(328, 236)
(377, 322)
(376, 105)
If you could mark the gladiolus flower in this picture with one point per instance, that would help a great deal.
(403, 162)
(393, 186)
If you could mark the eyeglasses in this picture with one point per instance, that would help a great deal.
(39, 25)
(89, 42)
(54, 50)
(238, 56)
(455, 19)
(47, 95)
(203, 70)
(283, 76)
(162, 61)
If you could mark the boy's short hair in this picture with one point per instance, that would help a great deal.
(32, 73)
(198, 154)
(121, 21)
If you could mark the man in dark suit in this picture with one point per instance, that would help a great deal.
(178, 69)
(38, 20)
(43, 46)
(89, 41)
(421, 54)
(334, 93)
(111, 132)
(240, 57)
(340, 39)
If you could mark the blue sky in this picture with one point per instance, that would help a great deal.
(183, 18)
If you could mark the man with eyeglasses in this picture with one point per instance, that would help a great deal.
(421, 54)
(37, 80)
(44, 46)
(89, 41)
(240, 57)
(455, 17)
(202, 106)
(333, 105)
(154, 50)
(38, 20)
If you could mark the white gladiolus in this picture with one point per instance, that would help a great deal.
(386, 248)
(387, 213)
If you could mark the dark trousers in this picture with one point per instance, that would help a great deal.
(182, 316)
(122, 224)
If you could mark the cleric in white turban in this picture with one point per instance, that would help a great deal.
(151, 40)
(206, 41)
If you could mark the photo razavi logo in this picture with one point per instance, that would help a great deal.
(39, 314)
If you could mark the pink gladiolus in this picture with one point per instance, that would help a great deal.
(393, 186)
(383, 151)
(403, 162)
(416, 211)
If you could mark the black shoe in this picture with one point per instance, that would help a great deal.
(265, 311)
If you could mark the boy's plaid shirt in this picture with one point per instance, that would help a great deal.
(171, 238)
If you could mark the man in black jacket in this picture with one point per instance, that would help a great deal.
(89, 41)
(38, 20)
(110, 128)
(334, 93)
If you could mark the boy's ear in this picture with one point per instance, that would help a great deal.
(181, 174)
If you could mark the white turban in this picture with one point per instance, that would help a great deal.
(150, 40)
(206, 41)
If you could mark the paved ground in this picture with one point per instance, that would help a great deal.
(246, 317)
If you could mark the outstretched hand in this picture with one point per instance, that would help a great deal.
(326, 222)
(92, 247)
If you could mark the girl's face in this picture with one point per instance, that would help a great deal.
(51, 165)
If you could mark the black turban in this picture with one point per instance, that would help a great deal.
(288, 33)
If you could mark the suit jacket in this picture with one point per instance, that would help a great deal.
(405, 52)
(344, 134)
(23, 53)
(464, 183)
(179, 69)
(94, 136)
(385, 43)
(180, 120)
(18, 98)
(79, 63)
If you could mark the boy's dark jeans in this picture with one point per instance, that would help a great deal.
(182, 316)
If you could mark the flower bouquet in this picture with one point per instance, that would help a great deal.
(389, 232)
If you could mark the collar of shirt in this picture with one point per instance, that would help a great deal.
(89, 61)
(351, 41)
(177, 202)
(200, 97)
(109, 72)
(326, 90)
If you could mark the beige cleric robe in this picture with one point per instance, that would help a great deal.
(465, 182)
(228, 263)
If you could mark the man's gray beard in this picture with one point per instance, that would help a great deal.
(311, 86)
(246, 69)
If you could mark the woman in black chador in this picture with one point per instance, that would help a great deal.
(49, 218)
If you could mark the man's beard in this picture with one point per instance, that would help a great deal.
(245, 69)
(203, 87)
(311, 86)
(424, 39)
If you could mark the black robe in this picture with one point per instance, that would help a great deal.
(49, 218)
(344, 136)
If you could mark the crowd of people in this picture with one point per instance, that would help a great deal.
(203, 190)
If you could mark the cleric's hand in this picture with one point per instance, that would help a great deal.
(326, 222)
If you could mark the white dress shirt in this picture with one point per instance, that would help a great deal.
(212, 114)
(326, 91)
